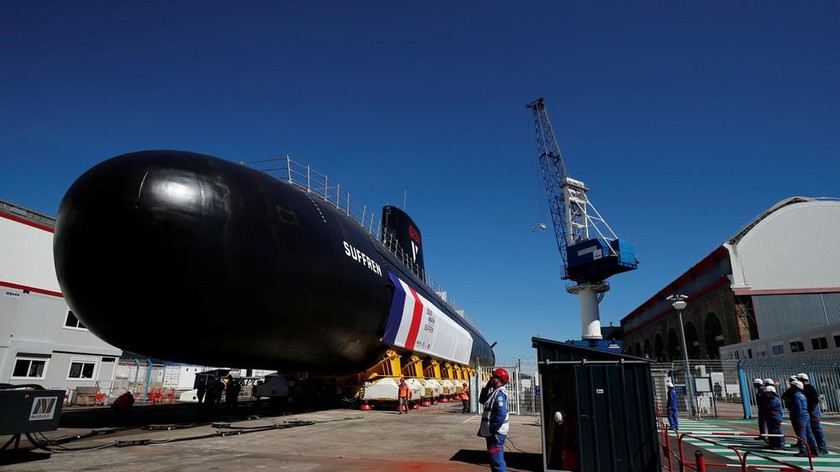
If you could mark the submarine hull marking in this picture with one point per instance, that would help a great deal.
(416, 324)
(416, 316)
(361, 258)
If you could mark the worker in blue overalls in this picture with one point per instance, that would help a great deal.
(762, 408)
(801, 421)
(774, 418)
(671, 406)
(813, 398)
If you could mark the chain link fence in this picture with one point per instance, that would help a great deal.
(523, 388)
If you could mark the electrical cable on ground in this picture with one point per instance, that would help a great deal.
(513, 446)
(43, 442)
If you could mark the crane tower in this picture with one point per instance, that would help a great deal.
(590, 249)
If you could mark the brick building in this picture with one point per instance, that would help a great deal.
(779, 276)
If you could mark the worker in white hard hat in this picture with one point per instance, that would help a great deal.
(671, 406)
(800, 420)
(761, 404)
(774, 418)
(813, 398)
(762, 401)
(789, 392)
(787, 396)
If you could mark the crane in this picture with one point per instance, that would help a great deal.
(590, 249)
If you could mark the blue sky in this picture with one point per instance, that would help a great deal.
(685, 119)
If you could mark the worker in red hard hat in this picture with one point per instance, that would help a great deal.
(494, 420)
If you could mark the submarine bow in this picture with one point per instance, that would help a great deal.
(195, 259)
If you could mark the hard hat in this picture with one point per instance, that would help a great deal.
(502, 374)
(769, 382)
(792, 378)
(802, 376)
(770, 389)
(668, 383)
(758, 382)
(798, 384)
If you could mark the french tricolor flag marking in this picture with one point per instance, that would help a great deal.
(416, 324)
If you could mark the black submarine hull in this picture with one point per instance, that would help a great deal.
(194, 259)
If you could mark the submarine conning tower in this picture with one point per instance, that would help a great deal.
(403, 238)
(396, 230)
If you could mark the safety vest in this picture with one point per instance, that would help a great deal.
(404, 390)
(465, 393)
(484, 430)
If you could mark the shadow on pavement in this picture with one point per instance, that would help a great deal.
(514, 460)
(145, 415)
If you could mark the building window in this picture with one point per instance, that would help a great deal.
(81, 370)
(797, 346)
(735, 355)
(29, 368)
(72, 321)
(819, 343)
(837, 340)
(778, 349)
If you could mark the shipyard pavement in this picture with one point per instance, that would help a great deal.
(438, 438)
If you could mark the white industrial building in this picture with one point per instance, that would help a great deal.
(772, 289)
(41, 341)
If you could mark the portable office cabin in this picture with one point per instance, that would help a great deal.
(607, 405)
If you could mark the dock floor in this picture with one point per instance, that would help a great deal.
(438, 438)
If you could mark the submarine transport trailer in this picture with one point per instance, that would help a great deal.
(195, 259)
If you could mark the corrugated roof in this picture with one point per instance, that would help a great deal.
(26, 213)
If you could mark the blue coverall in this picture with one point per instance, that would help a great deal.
(671, 406)
(774, 420)
(813, 399)
(761, 402)
(801, 422)
(496, 443)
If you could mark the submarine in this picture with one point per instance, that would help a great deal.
(192, 258)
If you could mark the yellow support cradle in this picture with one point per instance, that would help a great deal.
(388, 366)
(433, 370)
(414, 367)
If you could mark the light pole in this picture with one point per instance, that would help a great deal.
(679, 305)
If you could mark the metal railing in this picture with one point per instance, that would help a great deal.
(331, 191)
(679, 460)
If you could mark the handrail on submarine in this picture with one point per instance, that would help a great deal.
(316, 183)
